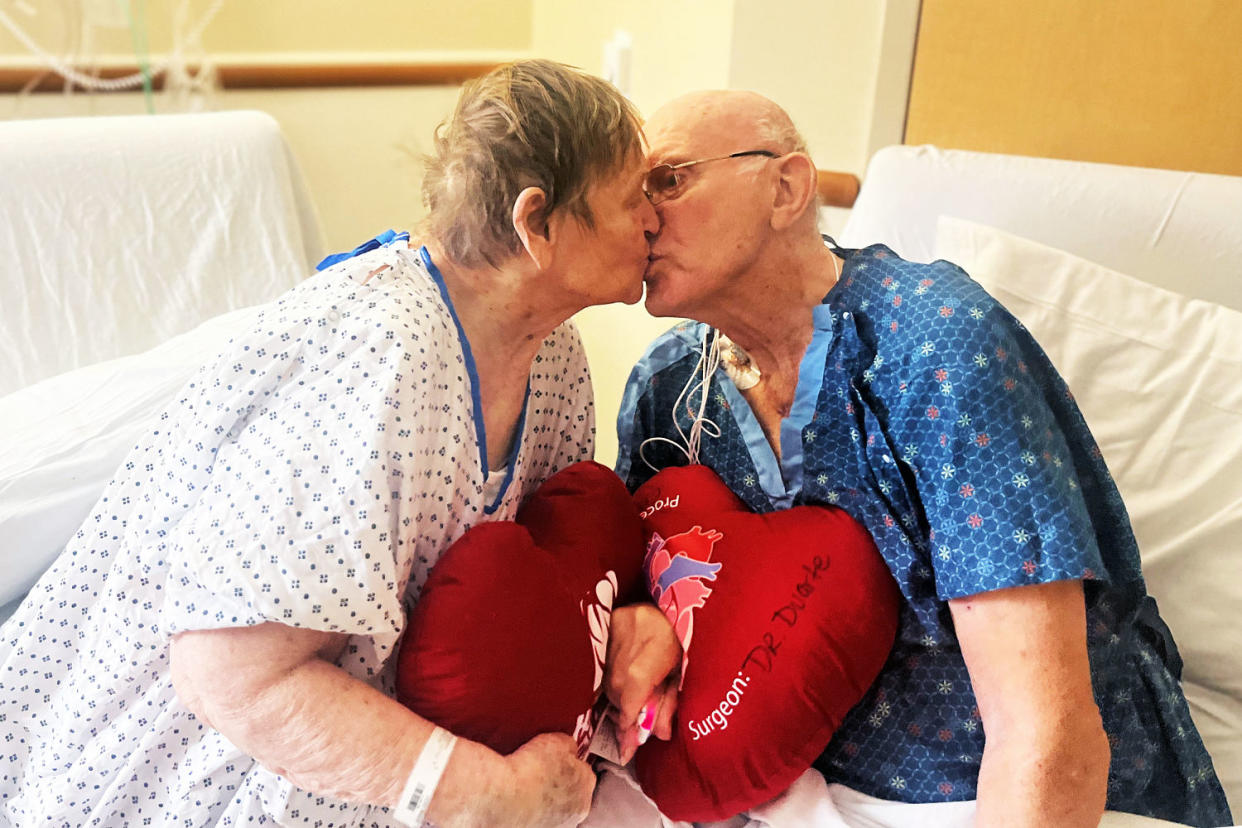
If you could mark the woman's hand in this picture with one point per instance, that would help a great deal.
(548, 786)
(644, 660)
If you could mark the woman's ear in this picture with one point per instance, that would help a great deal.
(530, 220)
(795, 190)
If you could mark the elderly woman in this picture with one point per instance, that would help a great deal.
(214, 645)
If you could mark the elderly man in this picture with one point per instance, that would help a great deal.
(905, 394)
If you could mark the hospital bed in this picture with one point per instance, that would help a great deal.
(138, 247)
(131, 247)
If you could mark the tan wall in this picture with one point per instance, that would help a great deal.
(679, 46)
(824, 82)
(358, 147)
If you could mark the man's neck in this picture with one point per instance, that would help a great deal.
(769, 313)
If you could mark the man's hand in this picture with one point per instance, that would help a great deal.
(644, 657)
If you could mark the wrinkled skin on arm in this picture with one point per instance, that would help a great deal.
(275, 692)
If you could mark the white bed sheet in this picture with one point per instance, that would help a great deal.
(64, 438)
(120, 232)
(810, 801)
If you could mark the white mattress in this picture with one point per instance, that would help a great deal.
(120, 232)
(1179, 230)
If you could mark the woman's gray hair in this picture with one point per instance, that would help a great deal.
(532, 123)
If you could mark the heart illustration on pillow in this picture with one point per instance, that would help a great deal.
(509, 636)
(785, 621)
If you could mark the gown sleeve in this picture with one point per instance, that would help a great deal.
(973, 408)
(312, 419)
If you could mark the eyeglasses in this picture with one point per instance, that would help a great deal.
(664, 180)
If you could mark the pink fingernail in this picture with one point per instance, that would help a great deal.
(646, 722)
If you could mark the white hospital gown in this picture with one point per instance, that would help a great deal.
(310, 474)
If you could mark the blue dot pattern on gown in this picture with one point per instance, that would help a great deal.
(930, 414)
(310, 474)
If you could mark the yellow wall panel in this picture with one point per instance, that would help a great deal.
(1148, 83)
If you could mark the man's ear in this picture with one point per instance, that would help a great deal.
(795, 191)
(530, 220)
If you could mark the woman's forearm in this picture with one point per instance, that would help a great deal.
(332, 734)
(272, 696)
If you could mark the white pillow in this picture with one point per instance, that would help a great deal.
(65, 436)
(1158, 377)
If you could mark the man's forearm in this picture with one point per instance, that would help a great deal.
(1035, 781)
(1045, 759)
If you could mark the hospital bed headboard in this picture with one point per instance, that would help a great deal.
(121, 232)
(1178, 230)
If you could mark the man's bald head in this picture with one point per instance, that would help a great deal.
(741, 186)
(725, 117)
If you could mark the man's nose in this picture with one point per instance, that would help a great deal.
(652, 221)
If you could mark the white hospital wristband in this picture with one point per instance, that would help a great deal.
(411, 809)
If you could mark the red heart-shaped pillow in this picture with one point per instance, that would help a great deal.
(509, 635)
(785, 619)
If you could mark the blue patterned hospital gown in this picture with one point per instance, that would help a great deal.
(925, 410)
(310, 474)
